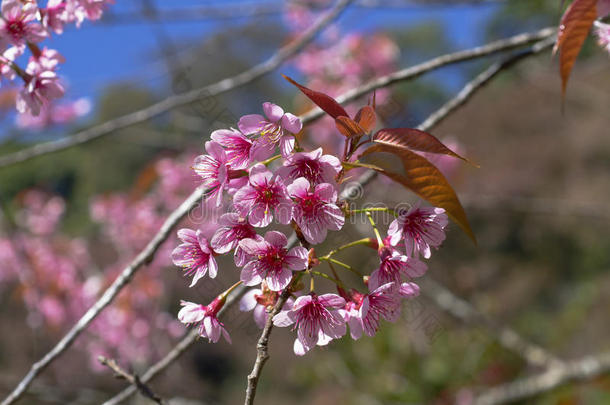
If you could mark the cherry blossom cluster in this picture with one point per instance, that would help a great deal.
(264, 181)
(24, 26)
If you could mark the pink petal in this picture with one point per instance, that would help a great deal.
(292, 123)
(272, 111)
(251, 124)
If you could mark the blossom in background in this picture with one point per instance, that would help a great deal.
(54, 16)
(18, 24)
(408, 290)
(206, 317)
(393, 266)
(271, 261)
(8, 56)
(315, 211)
(264, 195)
(277, 127)
(194, 255)
(54, 114)
(317, 319)
(314, 166)
(602, 31)
(419, 228)
(212, 168)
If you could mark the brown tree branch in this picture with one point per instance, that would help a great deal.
(534, 354)
(262, 349)
(583, 369)
(179, 100)
(133, 379)
(231, 83)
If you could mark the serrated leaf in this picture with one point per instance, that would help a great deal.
(366, 118)
(414, 139)
(574, 27)
(324, 101)
(425, 180)
(348, 127)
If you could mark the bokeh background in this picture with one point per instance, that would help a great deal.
(538, 204)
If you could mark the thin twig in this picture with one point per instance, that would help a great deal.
(179, 100)
(262, 349)
(583, 369)
(534, 355)
(186, 342)
(260, 70)
(352, 189)
(133, 379)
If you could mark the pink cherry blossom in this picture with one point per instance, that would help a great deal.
(212, 168)
(54, 16)
(8, 56)
(274, 128)
(602, 31)
(257, 301)
(382, 302)
(314, 166)
(18, 23)
(209, 325)
(41, 87)
(271, 261)
(394, 265)
(265, 193)
(233, 228)
(408, 290)
(238, 147)
(47, 59)
(54, 114)
(420, 228)
(194, 255)
(316, 318)
(315, 211)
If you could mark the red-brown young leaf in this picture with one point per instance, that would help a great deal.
(366, 118)
(414, 139)
(574, 27)
(348, 127)
(324, 101)
(425, 180)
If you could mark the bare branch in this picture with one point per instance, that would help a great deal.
(179, 100)
(262, 349)
(438, 62)
(467, 92)
(506, 336)
(133, 379)
(585, 368)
